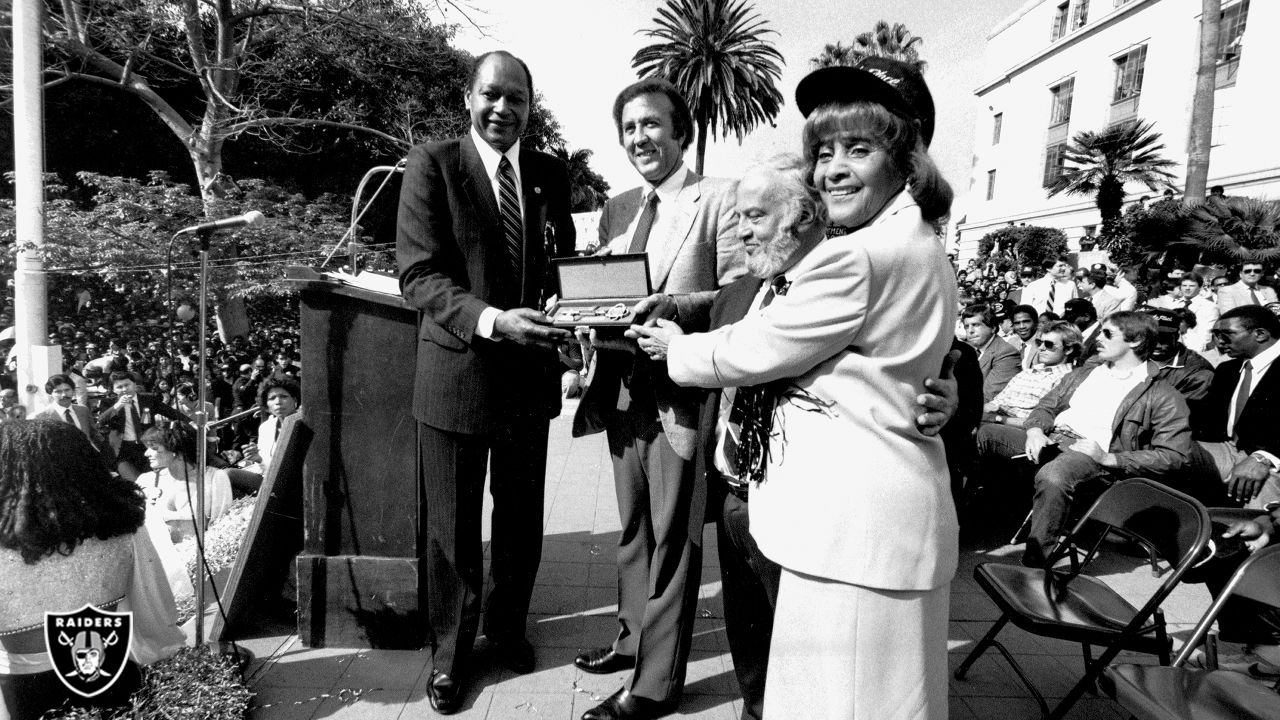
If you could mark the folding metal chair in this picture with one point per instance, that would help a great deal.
(1069, 605)
(1166, 693)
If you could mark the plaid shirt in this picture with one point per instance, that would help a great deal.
(1025, 390)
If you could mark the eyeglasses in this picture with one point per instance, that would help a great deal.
(1257, 271)
(1049, 345)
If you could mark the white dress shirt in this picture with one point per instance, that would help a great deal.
(491, 158)
(1094, 403)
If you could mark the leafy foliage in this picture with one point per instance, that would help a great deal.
(1102, 163)
(884, 40)
(714, 51)
(587, 190)
(120, 237)
(1233, 230)
(1018, 245)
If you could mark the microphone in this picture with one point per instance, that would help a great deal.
(253, 218)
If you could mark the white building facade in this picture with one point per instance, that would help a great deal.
(1057, 67)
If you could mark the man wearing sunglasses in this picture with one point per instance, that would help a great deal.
(1109, 422)
(1056, 347)
(1248, 291)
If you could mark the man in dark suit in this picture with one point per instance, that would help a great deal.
(130, 414)
(470, 246)
(998, 360)
(684, 223)
(1240, 415)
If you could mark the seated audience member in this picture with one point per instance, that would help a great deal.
(1253, 625)
(1058, 345)
(129, 415)
(1203, 309)
(280, 398)
(1004, 323)
(998, 361)
(1188, 372)
(1248, 291)
(171, 483)
(1082, 314)
(1241, 413)
(1091, 286)
(1103, 423)
(957, 434)
(1025, 324)
(69, 537)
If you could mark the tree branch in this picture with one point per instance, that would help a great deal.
(241, 127)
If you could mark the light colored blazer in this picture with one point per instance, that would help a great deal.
(1237, 294)
(854, 491)
(87, 424)
(702, 255)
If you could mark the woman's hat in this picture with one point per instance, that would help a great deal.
(891, 83)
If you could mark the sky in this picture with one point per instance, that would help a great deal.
(579, 52)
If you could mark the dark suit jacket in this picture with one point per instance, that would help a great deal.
(111, 419)
(731, 304)
(999, 364)
(1257, 427)
(87, 425)
(453, 265)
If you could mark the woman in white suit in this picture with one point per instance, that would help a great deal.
(850, 498)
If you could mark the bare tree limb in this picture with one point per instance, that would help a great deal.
(237, 128)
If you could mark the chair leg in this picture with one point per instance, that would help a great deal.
(1023, 530)
(1088, 666)
(1162, 636)
(981, 647)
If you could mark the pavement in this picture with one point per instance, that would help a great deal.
(575, 602)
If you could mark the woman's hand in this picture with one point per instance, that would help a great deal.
(654, 340)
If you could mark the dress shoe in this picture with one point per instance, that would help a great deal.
(622, 705)
(444, 693)
(515, 654)
(603, 661)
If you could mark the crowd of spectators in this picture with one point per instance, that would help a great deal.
(1090, 376)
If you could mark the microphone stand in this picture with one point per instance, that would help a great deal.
(202, 430)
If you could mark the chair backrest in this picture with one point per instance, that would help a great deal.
(1176, 525)
(1257, 578)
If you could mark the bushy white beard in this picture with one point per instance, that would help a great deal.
(771, 257)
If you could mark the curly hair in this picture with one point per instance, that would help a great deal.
(55, 491)
(285, 383)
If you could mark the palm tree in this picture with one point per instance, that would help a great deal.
(1202, 101)
(1233, 230)
(884, 40)
(714, 52)
(587, 190)
(1101, 163)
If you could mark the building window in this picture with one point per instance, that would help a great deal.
(1129, 69)
(1060, 108)
(997, 122)
(1059, 22)
(1230, 34)
(1081, 15)
(1055, 157)
(991, 184)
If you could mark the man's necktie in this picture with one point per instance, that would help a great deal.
(1242, 396)
(130, 428)
(1186, 303)
(278, 423)
(1053, 288)
(1254, 294)
(70, 420)
(640, 239)
(753, 412)
(509, 209)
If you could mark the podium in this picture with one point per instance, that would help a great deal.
(358, 573)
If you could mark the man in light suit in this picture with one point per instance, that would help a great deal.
(470, 246)
(63, 391)
(683, 222)
(998, 360)
(1091, 285)
(1247, 291)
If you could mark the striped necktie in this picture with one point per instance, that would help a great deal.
(1053, 288)
(509, 209)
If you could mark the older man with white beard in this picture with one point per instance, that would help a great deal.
(780, 220)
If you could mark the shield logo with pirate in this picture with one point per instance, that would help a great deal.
(88, 647)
